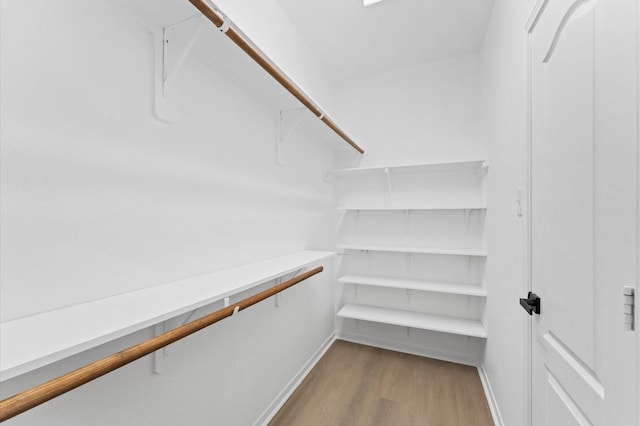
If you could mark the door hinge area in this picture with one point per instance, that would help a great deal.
(628, 307)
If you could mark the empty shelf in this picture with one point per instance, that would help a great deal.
(35, 341)
(414, 208)
(403, 283)
(464, 327)
(478, 163)
(417, 250)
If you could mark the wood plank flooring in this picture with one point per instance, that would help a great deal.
(361, 385)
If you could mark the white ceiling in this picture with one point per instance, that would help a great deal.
(352, 40)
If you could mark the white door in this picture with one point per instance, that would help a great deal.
(584, 189)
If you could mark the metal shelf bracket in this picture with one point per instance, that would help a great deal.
(173, 45)
(288, 121)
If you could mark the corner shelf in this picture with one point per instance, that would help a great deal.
(402, 283)
(459, 164)
(464, 327)
(35, 341)
(414, 250)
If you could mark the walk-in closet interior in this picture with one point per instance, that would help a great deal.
(236, 212)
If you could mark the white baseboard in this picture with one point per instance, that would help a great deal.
(491, 398)
(409, 349)
(277, 404)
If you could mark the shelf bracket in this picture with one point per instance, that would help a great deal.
(189, 317)
(468, 264)
(173, 45)
(278, 281)
(165, 358)
(355, 291)
(407, 217)
(408, 331)
(288, 121)
(408, 297)
(369, 255)
(408, 257)
(388, 187)
(467, 218)
(484, 168)
(357, 220)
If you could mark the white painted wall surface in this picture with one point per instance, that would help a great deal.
(503, 69)
(101, 198)
(425, 113)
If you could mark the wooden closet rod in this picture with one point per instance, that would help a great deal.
(217, 20)
(40, 394)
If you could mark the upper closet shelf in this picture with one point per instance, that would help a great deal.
(35, 341)
(197, 27)
(453, 165)
(415, 250)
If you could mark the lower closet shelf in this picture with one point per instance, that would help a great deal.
(464, 327)
(38, 340)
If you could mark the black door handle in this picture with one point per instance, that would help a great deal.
(531, 304)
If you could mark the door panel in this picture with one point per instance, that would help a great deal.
(583, 209)
(560, 407)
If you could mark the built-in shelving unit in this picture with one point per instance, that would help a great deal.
(35, 341)
(413, 209)
(464, 327)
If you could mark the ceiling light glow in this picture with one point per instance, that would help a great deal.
(369, 2)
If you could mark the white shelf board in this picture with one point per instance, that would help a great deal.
(473, 163)
(403, 283)
(35, 341)
(464, 327)
(414, 208)
(416, 250)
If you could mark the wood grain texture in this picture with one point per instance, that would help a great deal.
(361, 385)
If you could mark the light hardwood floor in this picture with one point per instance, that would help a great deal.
(361, 385)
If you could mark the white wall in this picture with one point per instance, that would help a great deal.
(504, 116)
(101, 198)
(428, 112)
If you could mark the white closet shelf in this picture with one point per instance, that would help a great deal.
(35, 341)
(464, 327)
(403, 283)
(415, 208)
(474, 163)
(417, 250)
